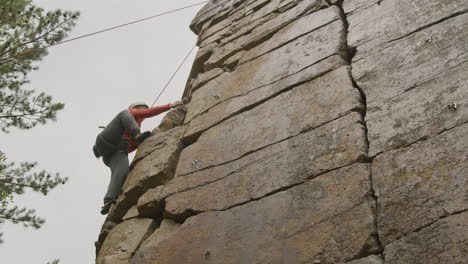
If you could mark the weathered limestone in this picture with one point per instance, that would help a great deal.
(132, 213)
(269, 68)
(205, 77)
(173, 119)
(237, 22)
(391, 20)
(300, 225)
(123, 241)
(105, 229)
(331, 146)
(156, 168)
(420, 112)
(343, 136)
(146, 251)
(269, 8)
(318, 132)
(315, 103)
(446, 241)
(206, 13)
(296, 29)
(403, 64)
(237, 104)
(353, 6)
(231, 20)
(418, 185)
(369, 260)
(261, 29)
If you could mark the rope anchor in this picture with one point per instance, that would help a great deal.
(453, 106)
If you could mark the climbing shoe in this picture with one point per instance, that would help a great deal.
(141, 137)
(107, 205)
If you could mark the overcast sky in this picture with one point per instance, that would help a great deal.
(95, 77)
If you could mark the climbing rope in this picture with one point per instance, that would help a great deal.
(9, 59)
(173, 75)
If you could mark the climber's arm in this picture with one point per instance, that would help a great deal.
(150, 112)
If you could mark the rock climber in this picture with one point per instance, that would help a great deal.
(120, 137)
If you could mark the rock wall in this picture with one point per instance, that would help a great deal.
(317, 131)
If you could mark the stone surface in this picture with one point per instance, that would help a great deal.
(132, 213)
(398, 66)
(145, 253)
(369, 260)
(290, 162)
(318, 132)
(152, 203)
(222, 28)
(236, 104)
(205, 77)
(173, 119)
(206, 13)
(377, 25)
(296, 29)
(299, 225)
(302, 108)
(156, 168)
(260, 29)
(268, 69)
(420, 112)
(353, 6)
(418, 185)
(123, 241)
(105, 229)
(269, 8)
(446, 241)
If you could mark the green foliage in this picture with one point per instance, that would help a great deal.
(24, 32)
(24, 28)
(13, 181)
(54, 262)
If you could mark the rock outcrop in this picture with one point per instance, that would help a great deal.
(316, 132)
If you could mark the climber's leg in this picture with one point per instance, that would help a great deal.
(118, 164)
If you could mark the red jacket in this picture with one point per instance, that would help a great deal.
(140, 115)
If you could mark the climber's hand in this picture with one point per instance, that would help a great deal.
(176, 104)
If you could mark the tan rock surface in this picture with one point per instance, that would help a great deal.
(401, 65)
(369, 260)
(446, 241)
(301, 157)
(344, 135)
(156, 168)
(294, 30)
(304, 107)
(205, 77)
(268, 69)
(420, 112)
(145, 253)
(391, 20)
(418, 185)
(288, 225)
(236, 104)
(173, 119)
(105, 229)
(353, 6)
(123, 241)
(258, 30)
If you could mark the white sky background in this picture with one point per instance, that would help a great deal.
(95, 77)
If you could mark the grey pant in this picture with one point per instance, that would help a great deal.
(110, 145)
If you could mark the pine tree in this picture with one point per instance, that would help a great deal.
(24, 32)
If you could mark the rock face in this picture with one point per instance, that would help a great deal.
(316, 132)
